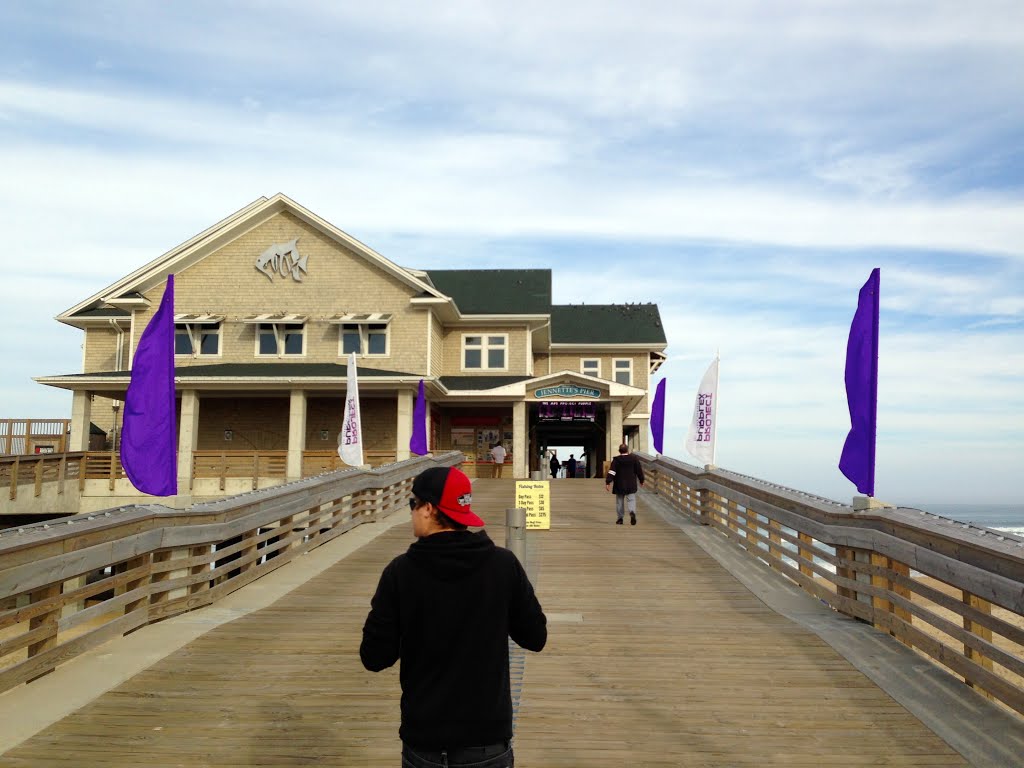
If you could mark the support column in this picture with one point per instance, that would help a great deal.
(296, 434)
(519, 457)
(188, 438)
(81, 416)
(614, 429)
(404, 427)
(642, 437)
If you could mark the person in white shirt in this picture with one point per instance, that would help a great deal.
(498, 454)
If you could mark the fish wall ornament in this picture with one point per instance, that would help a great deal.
(284, 260)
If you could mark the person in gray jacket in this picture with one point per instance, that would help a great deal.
(624, 475)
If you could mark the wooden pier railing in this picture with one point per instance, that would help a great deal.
(68, 586)
(950, 590)
(20, 474)
(30, 472)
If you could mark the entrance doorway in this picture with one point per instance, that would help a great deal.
(583, 437)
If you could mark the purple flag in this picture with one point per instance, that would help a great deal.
(858, 459)
(418, 441)
(658, 417)
(147, 438)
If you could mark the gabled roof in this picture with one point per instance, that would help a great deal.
(496, 291)
(196, 248)
(606, 324)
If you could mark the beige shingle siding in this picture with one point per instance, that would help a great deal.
(256, 423)
(227, 283)
(261, 423)
(101, 350)
(436, 346)
(515, 352)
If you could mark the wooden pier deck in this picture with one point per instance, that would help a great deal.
(656, 656)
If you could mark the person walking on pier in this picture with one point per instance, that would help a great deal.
(624, 474)
(570, 466)
(498, 454)
(446, 608)
(555, 465)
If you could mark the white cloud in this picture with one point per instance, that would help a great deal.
(744, 165)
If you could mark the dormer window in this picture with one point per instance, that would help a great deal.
(197, 335)
(366, 334)
(280, 335)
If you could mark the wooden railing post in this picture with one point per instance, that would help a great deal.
(113, 471)
(14, 477)
(775, 549)
(249, 550)
(806, 553)
(39, 477)
(45, 621)
(62, 471)
(158, 595)
(977, 629)
(142, 602)
(196, 570)
(853, 555)
(886, 583)
(704, 506)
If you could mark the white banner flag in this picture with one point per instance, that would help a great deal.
(350, 439)
(700, 441)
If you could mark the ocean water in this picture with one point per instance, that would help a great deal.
(1008, 518)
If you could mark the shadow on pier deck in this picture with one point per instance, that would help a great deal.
(658, 655)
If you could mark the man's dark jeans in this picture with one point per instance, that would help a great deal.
(491, 756)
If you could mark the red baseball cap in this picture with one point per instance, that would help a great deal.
(448, 489)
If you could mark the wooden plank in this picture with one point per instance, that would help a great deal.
(648, 663)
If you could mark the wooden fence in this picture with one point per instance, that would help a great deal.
(952, 591)
(29, 436)
(19, 472)
(68, 586)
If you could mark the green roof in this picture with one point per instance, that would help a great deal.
(606, 324)
(480, 382)
(496, 291)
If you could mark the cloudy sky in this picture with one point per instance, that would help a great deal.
(744, 165)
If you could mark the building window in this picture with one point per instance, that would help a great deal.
(624, 370)
(591, 367)
(280, 339)
(366, 339)
(486, 353)
(197, 340)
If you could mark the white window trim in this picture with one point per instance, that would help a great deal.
(195, 338)
(485, 347)
(583, 366)
(615, 369)
(279, 337)
(364, 337)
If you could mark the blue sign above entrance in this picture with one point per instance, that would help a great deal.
(567, 390)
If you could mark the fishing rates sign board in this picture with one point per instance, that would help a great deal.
(535, 497)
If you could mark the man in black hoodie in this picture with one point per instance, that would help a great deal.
(446, 608)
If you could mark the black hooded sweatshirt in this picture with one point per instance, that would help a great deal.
(447, 608)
